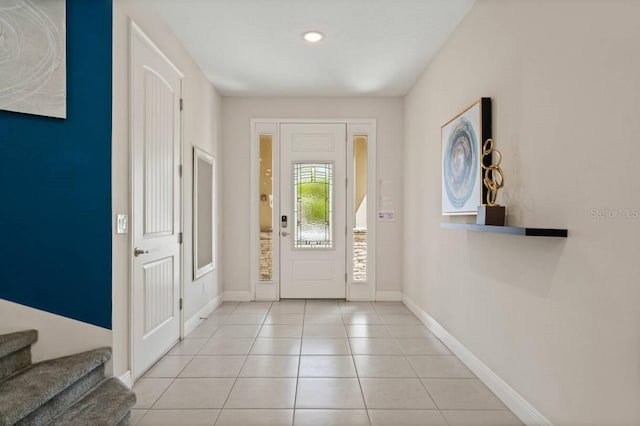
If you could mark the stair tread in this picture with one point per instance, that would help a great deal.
(24, 392)
(10, 343)
(105, 405)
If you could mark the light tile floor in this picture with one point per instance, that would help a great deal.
(314, 363)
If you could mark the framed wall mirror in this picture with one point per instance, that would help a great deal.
(203, 213)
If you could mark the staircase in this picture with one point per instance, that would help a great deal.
(71, 390)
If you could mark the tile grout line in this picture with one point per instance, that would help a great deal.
(295, 396)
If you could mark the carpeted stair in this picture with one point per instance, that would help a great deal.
(71, 390)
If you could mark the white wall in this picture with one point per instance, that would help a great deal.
(201, 127)
(558, 320)
(236, 139)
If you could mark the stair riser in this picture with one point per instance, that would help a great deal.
(54, 407)
(15, 362)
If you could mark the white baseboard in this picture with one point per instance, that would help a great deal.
(237, 296)
(204, 312)
(388, 296)
(512, 399)
(126, 379)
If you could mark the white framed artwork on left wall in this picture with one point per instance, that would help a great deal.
(33, 68)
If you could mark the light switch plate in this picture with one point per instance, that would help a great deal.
(122, 224)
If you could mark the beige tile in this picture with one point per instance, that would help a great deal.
(465, 394)
(481, 418)
(409, 331)
(370, 331)
(225, 308)
(149, 390)
(216, 319)
(406, 418)
(327, 366)
(383, 366)
(423, 346)
(245, 319)
(225, 346)
(252, 308)
(237, 331)
(353, 307)
(329, 393)
(400, 319)
(362, 318)
(308, 417)
(136, 416)
(396, 394)
(234, 417)
(262, 393)
(169, 366)
(323, 319)
(281, 331)
(439, 367)
(204, 330)
(364, 346)
(290, 319)
(391, 308)
(318, 307)
(325, 346)
(287, 307)
(195, 393)
(324, 331)
(189, 346)
(270, 366)
(180, 417)
(277, 346)
(214, 366)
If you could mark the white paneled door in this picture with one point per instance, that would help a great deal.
(156, 145)
(313, 211)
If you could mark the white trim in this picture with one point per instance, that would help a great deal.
(509, 396)
(388, 296)
(271, 126)
(237, 296)
(199, 316)
(126, 379)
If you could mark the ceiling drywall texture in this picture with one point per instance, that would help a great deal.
(255, 47)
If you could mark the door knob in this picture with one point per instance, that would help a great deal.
(137, 252)
(284, 233)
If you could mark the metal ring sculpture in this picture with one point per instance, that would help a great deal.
(493, 176)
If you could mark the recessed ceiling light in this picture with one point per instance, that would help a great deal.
(313, 36)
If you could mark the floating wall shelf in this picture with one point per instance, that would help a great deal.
(513, 230)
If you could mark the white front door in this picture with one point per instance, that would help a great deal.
(156, 130)
(313, 205)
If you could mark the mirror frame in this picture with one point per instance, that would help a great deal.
(199, 154)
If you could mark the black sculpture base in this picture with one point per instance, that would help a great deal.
(491, 215)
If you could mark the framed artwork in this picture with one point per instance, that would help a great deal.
(462, 138)
(33, 74)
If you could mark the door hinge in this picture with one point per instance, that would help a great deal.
(180, 170)
(179, 237)
(181, 303)
(346, 276)
(181, 104)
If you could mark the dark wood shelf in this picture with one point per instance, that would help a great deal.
(512, 230)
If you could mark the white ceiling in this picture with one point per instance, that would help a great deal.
(255, 48)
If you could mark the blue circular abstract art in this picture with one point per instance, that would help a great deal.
(460, 163)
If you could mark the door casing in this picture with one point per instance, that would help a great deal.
(270, 290)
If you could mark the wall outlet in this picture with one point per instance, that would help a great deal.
(122, 224)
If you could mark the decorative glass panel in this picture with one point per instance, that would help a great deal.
(266, 208)
(360, 208)
(313, 207)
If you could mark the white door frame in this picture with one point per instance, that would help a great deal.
(270, 290)
(136, 31)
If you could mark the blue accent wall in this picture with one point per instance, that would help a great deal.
(55, 184)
